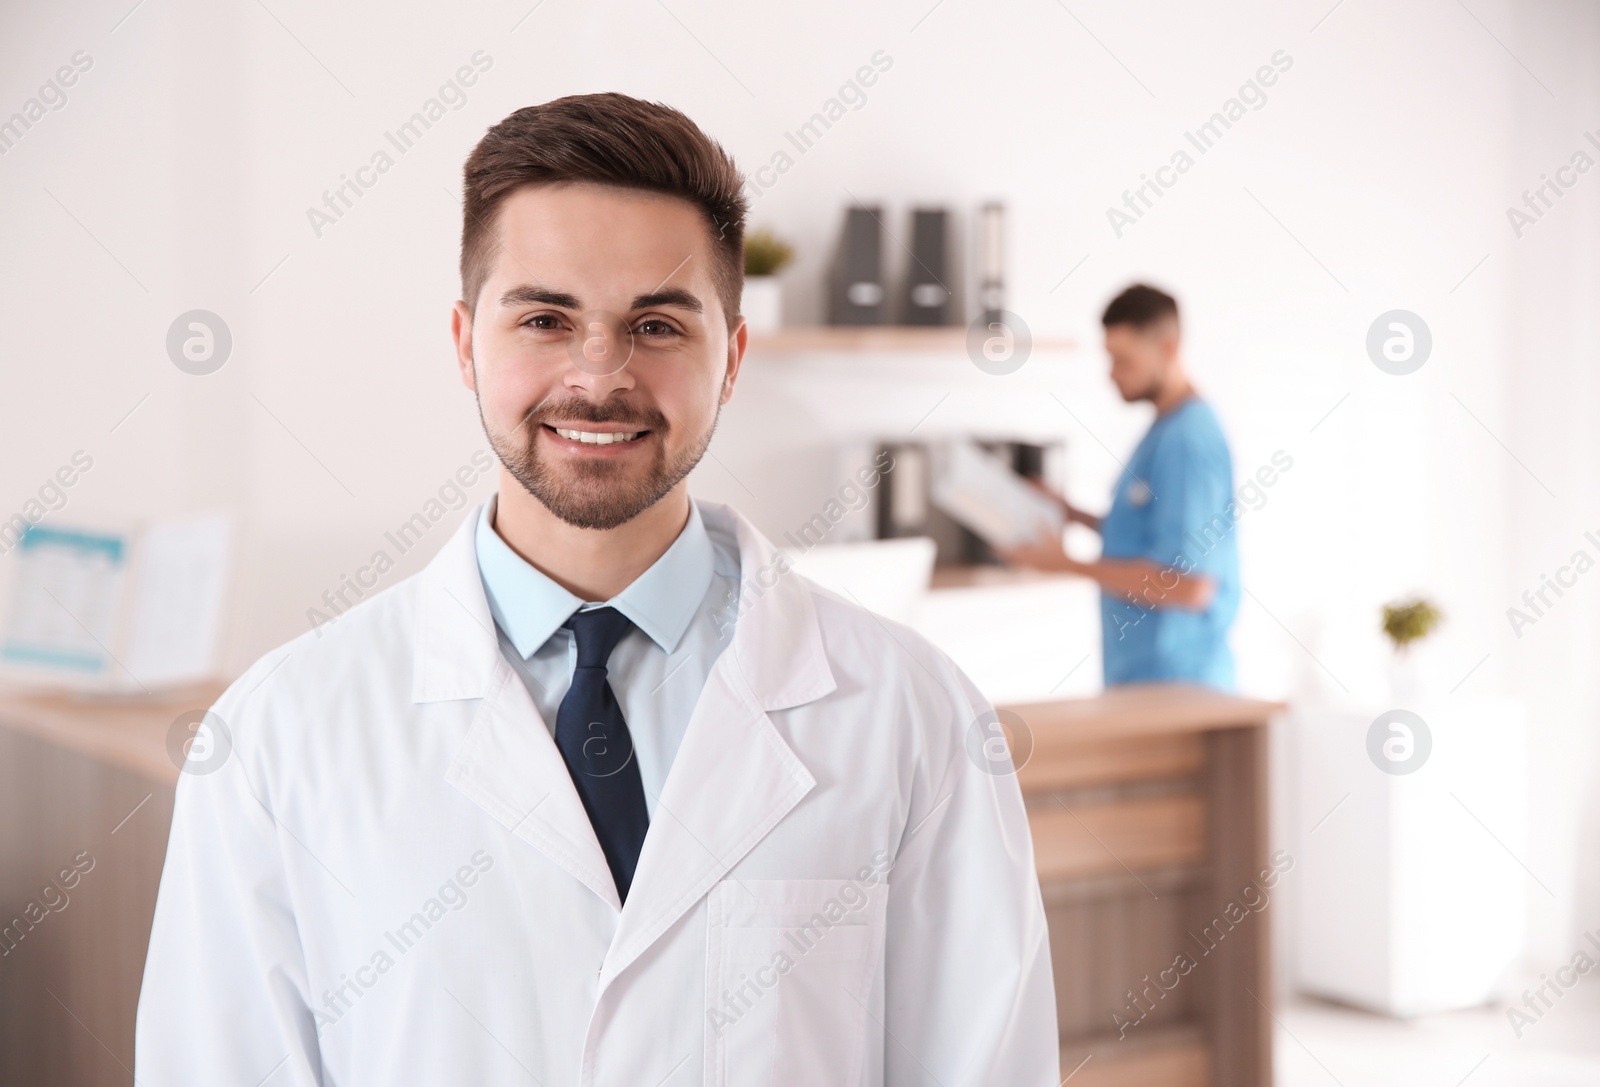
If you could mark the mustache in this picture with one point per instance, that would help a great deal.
(587, 411)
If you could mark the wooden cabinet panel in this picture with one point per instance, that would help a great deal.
(1103, 762)
(1179, 1058)
(1148, 810)
(1071, 842)
(69, 981)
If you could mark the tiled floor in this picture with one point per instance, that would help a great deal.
(1327, 1045)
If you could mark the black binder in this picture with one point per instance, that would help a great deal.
(857, 295)
(926, 299)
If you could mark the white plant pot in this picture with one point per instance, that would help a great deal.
(762, 304)
(1405, 678)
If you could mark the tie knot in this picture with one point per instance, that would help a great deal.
(597, 631)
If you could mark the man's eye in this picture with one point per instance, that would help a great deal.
(655, 327)
(543, 322)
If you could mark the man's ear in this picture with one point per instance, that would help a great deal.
(1169, 340)
(737, 342)
(461, 333)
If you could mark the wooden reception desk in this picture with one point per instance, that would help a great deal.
(1148, 808)
(1149, 814)
(87, 787)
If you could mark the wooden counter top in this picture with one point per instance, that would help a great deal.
(132, 733)
(1141, 709)
(124, 732)
(1134, 732)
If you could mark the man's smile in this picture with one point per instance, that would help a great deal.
(595, 439)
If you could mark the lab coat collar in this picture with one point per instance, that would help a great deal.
(776, 645)
(732, 780)
(529, 606)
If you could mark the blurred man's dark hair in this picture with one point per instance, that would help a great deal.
(1141, 306)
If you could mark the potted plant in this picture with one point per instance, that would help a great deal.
(1405, 622)
(764, 255)
(1402, 903)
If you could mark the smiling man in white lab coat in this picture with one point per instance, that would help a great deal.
(606, 795)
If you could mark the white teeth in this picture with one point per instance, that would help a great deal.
(597, 437)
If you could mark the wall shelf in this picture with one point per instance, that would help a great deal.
(865, 338)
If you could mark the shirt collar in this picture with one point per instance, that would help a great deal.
(529, 607)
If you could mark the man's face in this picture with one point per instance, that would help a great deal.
(599, 349)
(1141, 358)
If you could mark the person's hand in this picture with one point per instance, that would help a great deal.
(1042, 488)
(1072, 513)
(1045, 553)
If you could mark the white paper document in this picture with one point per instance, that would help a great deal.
(980, 490)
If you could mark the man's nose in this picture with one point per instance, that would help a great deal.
(599, 355)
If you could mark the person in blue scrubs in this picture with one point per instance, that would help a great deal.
(1169, 565)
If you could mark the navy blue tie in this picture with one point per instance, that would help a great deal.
(595, 742)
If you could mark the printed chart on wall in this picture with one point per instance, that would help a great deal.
(117, 611)
(64, 599)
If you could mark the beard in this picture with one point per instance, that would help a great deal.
(596, 493)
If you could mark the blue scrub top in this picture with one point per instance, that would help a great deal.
(1174, 507)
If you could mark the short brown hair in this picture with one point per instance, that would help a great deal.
(1141, 306)
(608, 139)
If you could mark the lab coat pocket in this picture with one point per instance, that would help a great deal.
(789, 971)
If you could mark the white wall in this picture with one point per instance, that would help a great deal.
(1374, 177)
(1551, 387)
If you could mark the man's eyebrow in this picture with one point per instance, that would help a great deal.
(671, 296)
(529, 294)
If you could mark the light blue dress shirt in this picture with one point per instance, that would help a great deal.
(1174, 507)
(683, 608)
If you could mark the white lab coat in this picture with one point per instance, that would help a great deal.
(391, 879)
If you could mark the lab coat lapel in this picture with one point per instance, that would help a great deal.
(734, 777)
(507, 764)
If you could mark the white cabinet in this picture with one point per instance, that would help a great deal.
(1409, 883)
(1020, 639)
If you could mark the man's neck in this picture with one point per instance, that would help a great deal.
(595, 564)
(1174, 391)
